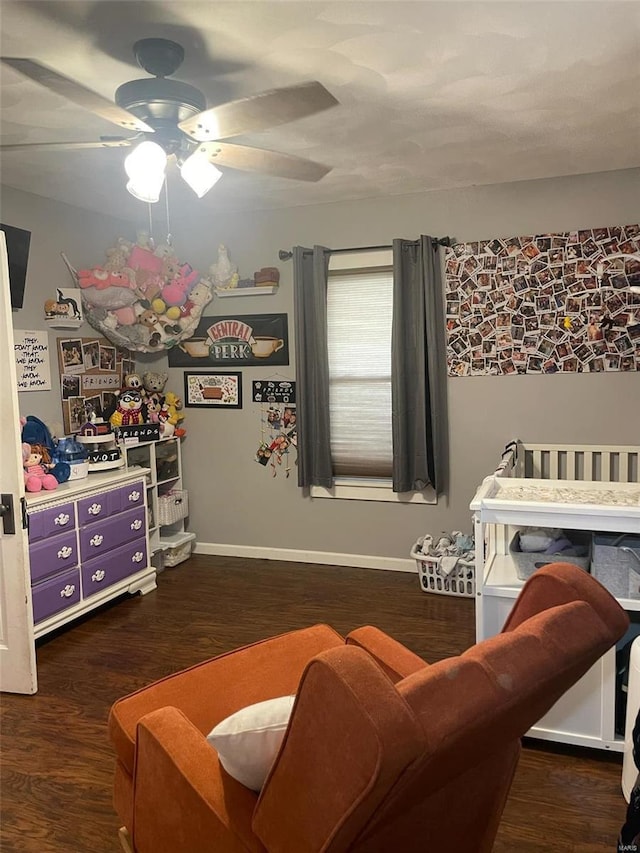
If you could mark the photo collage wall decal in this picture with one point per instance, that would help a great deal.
(547, 303)
(91, 374)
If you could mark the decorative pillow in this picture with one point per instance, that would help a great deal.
(247, 742)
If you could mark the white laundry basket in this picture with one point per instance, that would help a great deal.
(460, 582)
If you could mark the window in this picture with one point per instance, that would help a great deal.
(359, 306)
(359, 321)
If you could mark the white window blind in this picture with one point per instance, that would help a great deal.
(359, 311)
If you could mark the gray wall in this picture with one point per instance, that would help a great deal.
(237, 506)
(82, 236)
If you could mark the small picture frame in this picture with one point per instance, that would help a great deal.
(213, 390)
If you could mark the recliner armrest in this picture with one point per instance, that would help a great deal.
(350, 739)
(183, 799)
(394, 658)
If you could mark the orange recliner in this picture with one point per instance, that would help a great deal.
(383, 752)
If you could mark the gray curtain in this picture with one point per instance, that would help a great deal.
(310, 273)
(417, 366)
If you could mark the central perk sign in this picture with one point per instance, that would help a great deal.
(252, 339)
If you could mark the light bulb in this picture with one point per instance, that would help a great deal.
(145, 167)
(200, 173)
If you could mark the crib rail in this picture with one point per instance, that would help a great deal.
(592, 463)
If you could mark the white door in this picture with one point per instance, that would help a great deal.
(17, 650)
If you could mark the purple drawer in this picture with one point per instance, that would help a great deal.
(98, 506)
(51, 521)
(114, 566)
(55, 594)
(53, 555)
(130, 496)
(105, 535)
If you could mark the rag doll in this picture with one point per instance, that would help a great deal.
(37, 465)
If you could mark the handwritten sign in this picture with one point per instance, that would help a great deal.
(32, 360)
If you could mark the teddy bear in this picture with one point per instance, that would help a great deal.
(200, 295)
(153, 383)
(156, 326)
(117, 258)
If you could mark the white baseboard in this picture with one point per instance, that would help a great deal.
(358, 561)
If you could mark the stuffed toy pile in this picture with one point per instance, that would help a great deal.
(143, 298)
(142, 399)
(38, 449)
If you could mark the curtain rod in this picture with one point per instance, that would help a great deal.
(284, 255)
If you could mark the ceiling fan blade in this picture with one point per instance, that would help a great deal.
(115, 142)
(249, 159)
(258, 112)
(77, 93)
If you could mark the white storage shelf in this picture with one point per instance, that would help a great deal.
(163, 459)
(585, 715)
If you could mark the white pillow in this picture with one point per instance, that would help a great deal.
(247, 742)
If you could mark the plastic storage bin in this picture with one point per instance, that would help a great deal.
(178, 554)
(173, 506)
(526, 562)
(460, 582)
(615, 562)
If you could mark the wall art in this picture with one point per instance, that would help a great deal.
(213, 390)
(278, 446)
(33, 372)
(546, 303)
(65, 311)
(91, 372)
(273, 391)
(259, 340)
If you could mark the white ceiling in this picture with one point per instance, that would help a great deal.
(432, 95)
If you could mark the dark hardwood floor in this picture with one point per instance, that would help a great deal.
(56, 763)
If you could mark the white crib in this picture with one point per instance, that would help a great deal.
(606, 464)
(577, 487)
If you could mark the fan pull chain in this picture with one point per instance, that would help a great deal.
(166, 202)
(150, 222)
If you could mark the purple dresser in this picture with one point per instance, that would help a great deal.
(85, 540)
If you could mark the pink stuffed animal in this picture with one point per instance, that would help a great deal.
(36, 461)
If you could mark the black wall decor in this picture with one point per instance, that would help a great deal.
(273, 391)
(259, 340)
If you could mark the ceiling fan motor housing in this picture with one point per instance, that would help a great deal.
(162, 104)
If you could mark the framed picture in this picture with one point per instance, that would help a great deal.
(247, 340)
(213, 390)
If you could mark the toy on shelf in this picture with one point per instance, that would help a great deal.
(103, 452)
(128, 408)
(37, 468)
(143, 298)
(36, 432)
(267, 277)
(224, 273)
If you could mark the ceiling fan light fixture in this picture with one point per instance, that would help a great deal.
(200, 173)
(145, 168)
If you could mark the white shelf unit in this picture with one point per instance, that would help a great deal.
(586, 714)
(163, 461)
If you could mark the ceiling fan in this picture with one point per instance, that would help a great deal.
(169, 117)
